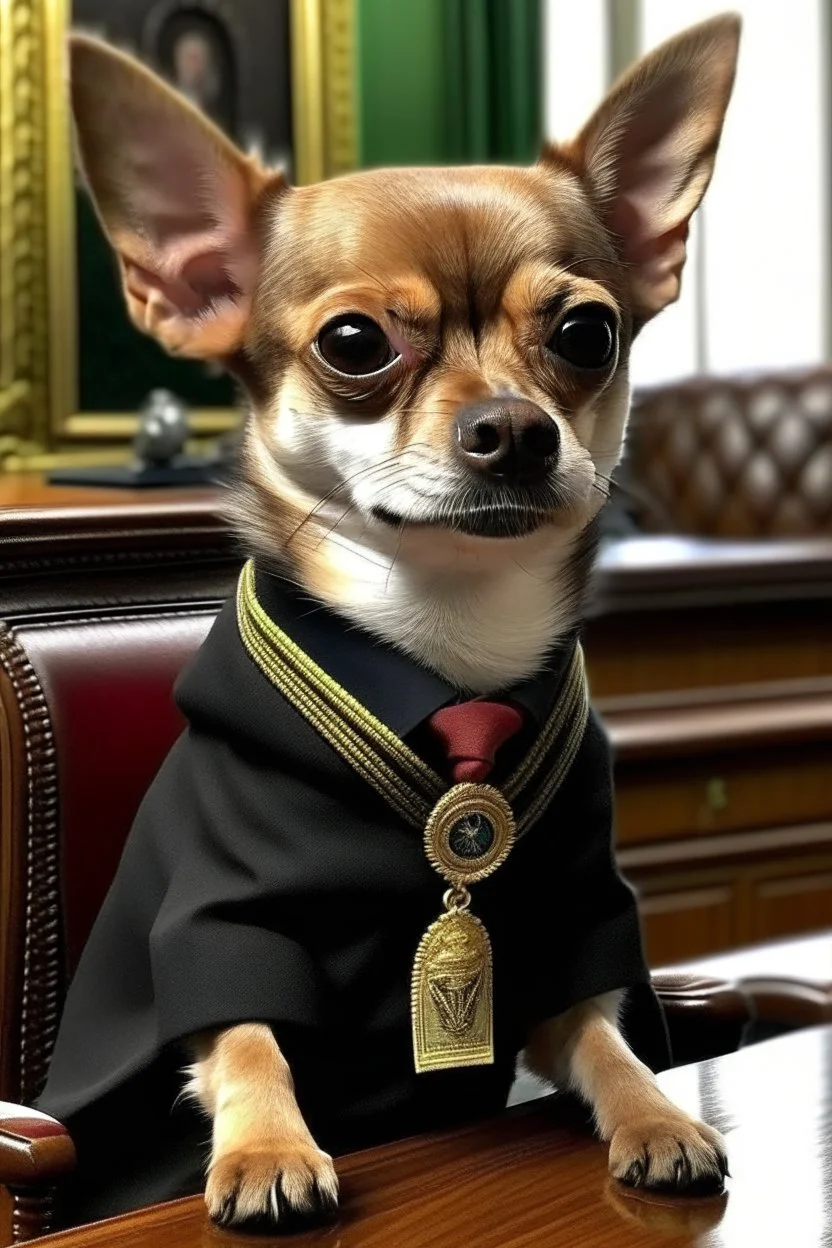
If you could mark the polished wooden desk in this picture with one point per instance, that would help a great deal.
(536, 1179)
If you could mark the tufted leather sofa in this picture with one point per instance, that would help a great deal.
(743, 457)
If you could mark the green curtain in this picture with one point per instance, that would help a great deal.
(493, 79)
(400, 101)
(449, 81)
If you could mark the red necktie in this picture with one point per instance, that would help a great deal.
(471, 733)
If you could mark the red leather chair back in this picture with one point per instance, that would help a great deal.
(87, 717)
(108, 685)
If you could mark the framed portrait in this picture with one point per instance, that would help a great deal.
(277, 77)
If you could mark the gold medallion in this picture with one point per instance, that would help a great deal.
(470, 831)
(452, 995)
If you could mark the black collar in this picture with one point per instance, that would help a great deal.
(395, 688)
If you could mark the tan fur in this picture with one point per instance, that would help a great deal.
(467, 272)
(262, 1153)
(651, 1141)
(178, 201)
(667, 109)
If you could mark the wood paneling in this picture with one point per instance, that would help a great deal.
(692, 913)
(30, 491)
(704, 797)
(704, 648)
(712, 672)
(711, 664)
(688, 922)
(785, 905)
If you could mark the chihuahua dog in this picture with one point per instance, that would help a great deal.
(437, 365)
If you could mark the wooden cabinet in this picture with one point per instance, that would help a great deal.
(684, 920)
(689, 914)
(707, 796)
(712, 669)
(796, 898)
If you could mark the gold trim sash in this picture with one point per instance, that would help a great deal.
(469, 829)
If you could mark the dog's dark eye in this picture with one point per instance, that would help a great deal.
(355, 345)
(586, 336)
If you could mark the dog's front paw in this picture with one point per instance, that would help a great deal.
(672, 1154)
(279, 1184)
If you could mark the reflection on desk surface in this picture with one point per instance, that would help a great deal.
(536, 1179)
(774, 1104)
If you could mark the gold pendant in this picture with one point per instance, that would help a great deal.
(470, 832)
(452, 995)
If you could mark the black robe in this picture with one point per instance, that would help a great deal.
(264, 880)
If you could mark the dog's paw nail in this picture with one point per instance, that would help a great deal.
(326, 1201)
(635, 1175)
(225, 1212)
(671, 1155)
(286, 1184)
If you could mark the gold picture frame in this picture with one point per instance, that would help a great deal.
(40, 426)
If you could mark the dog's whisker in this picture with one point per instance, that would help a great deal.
(639, 496)
(370, 277)
(413, 449)
(384, 465)
(279, 574)
(317, 413)
(393, 560)
(541, 580)
(384, 473)
(615, 261)
(330, 532)
(379, 563)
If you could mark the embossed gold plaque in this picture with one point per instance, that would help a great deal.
(452, 995)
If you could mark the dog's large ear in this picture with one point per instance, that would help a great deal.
(177, 200)
(647, 154)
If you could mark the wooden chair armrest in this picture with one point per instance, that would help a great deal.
(34, 1148)
(36, 1152)
(706, 1017)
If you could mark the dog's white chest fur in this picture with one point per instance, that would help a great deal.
(480, 629)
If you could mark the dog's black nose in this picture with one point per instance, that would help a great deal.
(510, 438)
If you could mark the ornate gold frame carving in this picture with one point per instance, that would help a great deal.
(40, 425)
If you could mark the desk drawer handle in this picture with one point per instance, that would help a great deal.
(717, 792)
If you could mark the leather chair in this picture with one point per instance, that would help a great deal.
(89, 651)
(742, 457)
